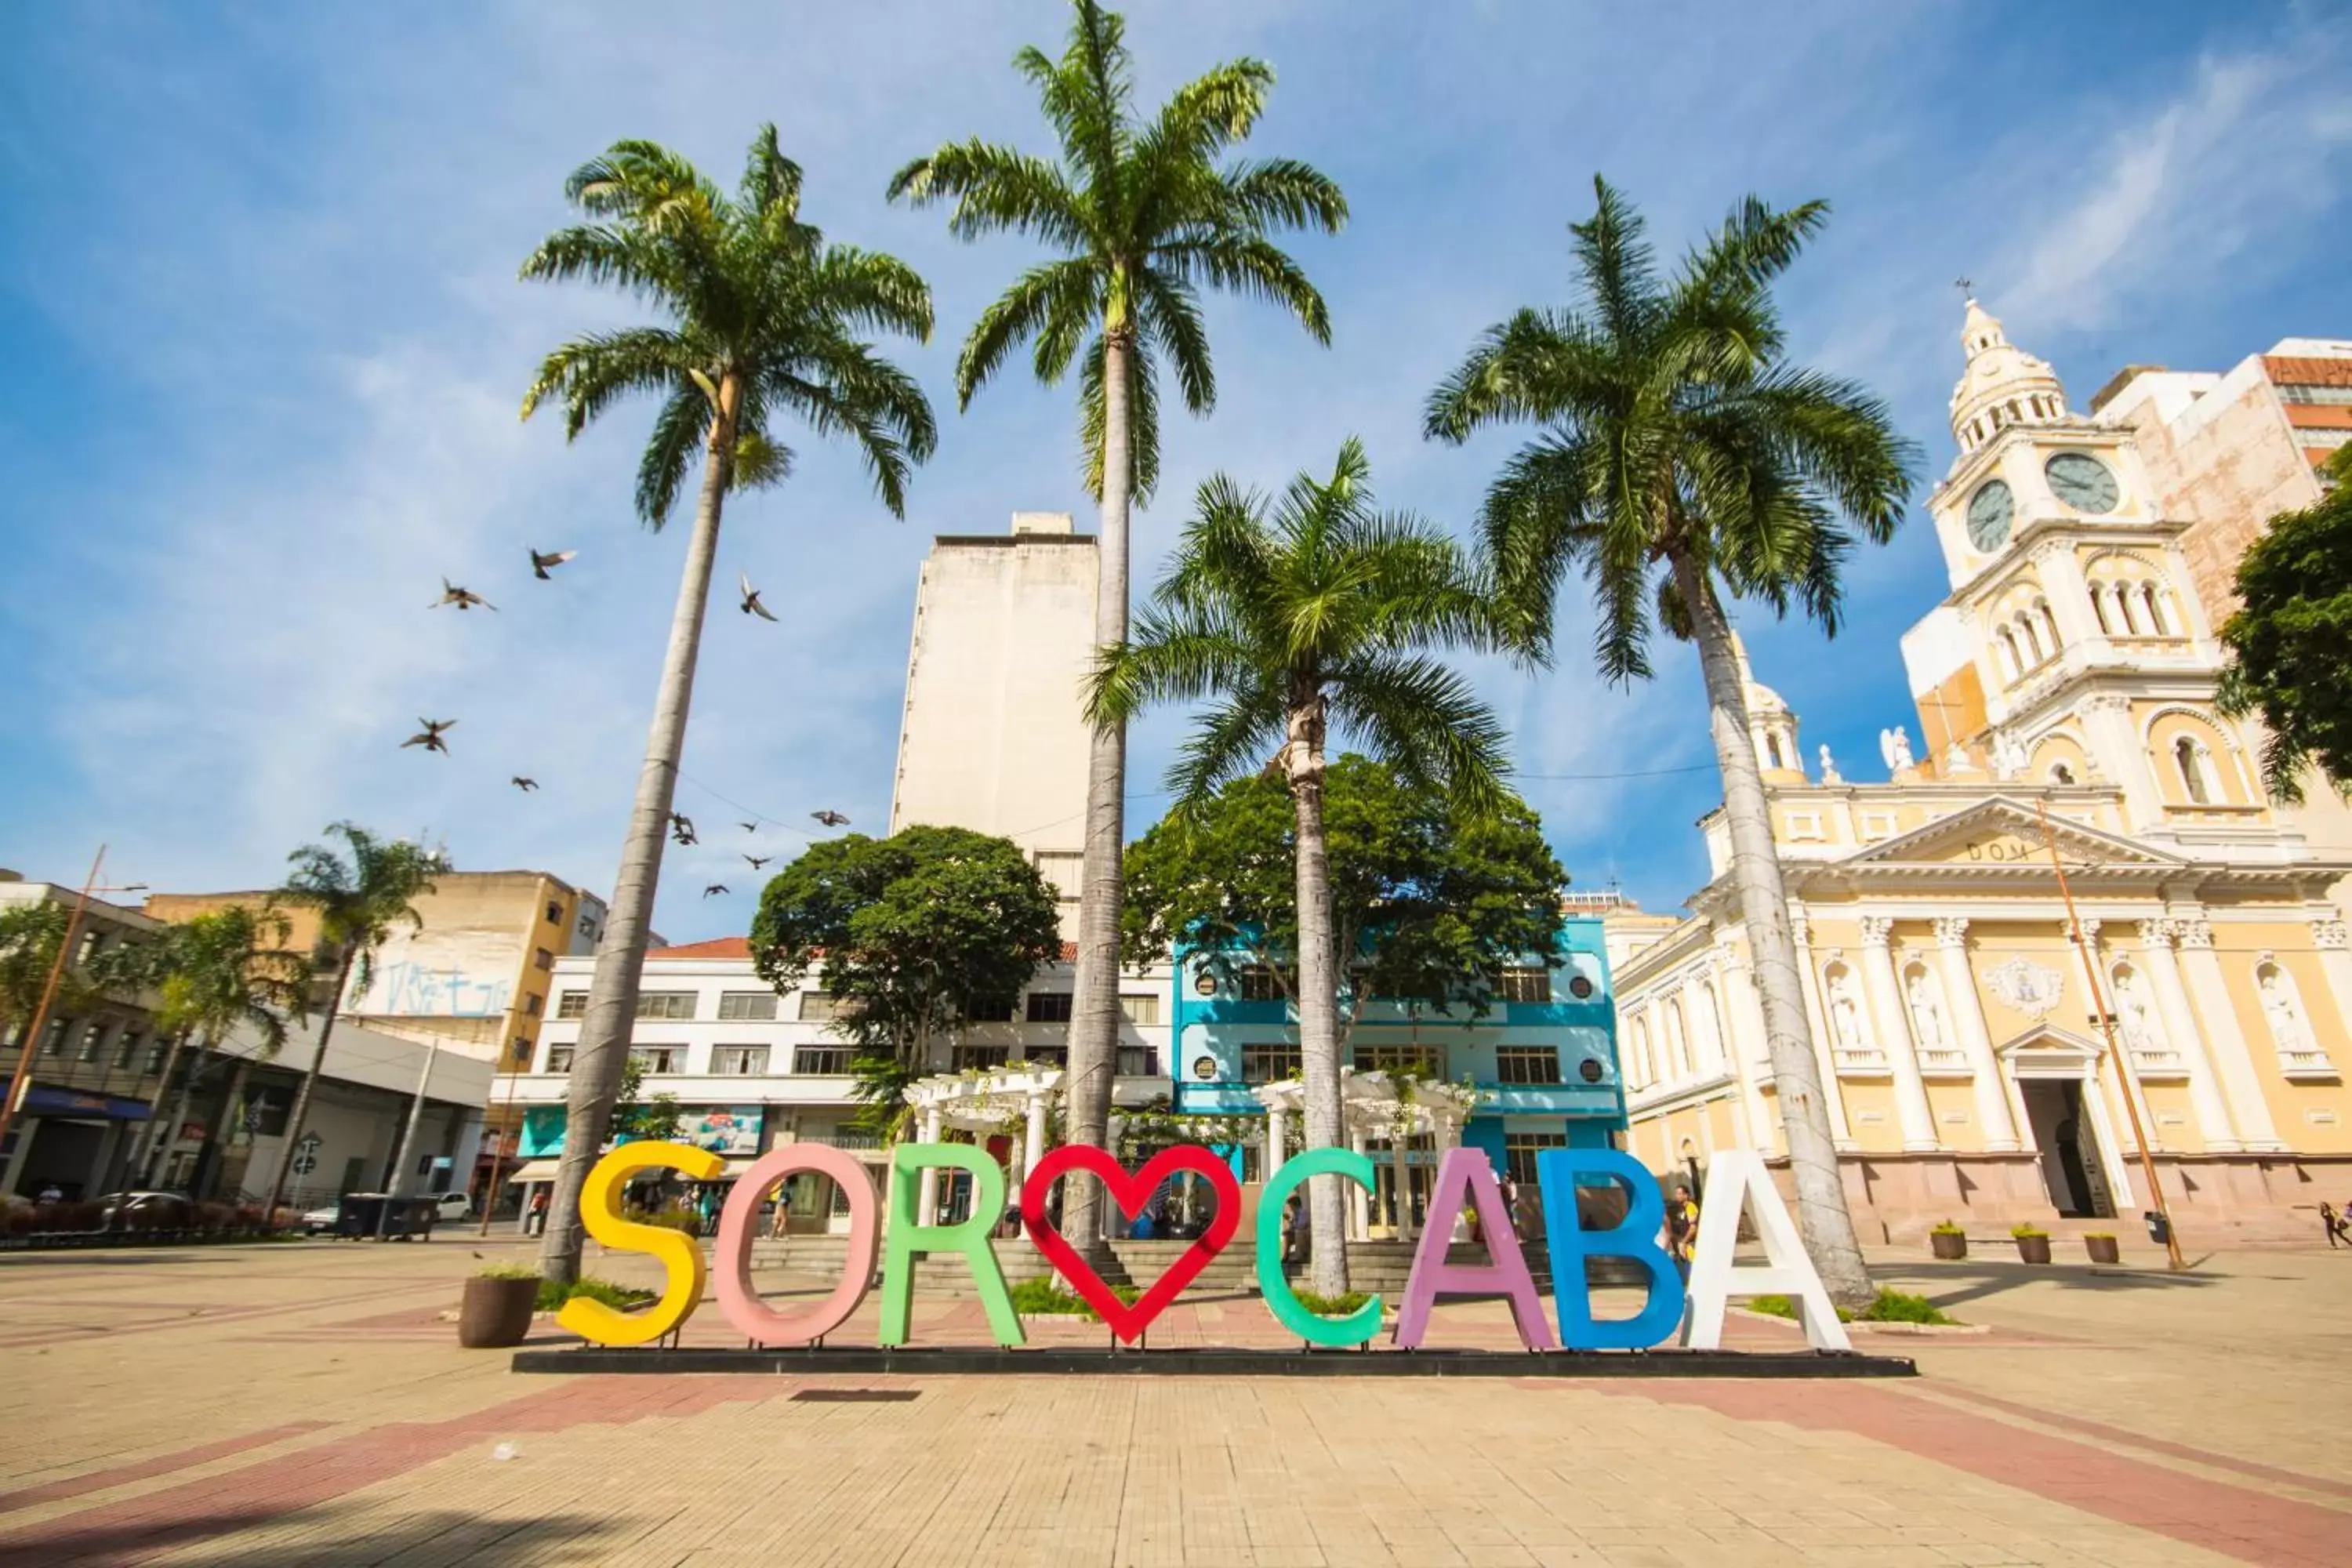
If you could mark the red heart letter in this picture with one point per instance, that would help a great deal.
(1130, 1193)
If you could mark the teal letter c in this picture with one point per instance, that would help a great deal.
(1288, 1310)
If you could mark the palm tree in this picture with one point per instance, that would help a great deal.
(1683, 462)
(362, 895)
(764, 319)
(1144, 215)
(215, 971)
(1317, 618)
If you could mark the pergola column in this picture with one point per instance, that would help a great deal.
(1359, 1200)
(1277, 1140)
(1033, 1142)
(927, 1194)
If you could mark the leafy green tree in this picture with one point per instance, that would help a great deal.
(364, 891)
(29, 937)
(1429, 898)
(917, 934)
(2290, 644)
(1315, 616)
(214, 973)
(764, 319)
(1143, 215)
(1682, 461)
(641, 1120)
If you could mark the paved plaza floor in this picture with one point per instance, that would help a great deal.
(307, 1405)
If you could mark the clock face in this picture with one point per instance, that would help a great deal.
(2083, 482)
(1988, 514)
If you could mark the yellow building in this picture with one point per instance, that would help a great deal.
(1960, 1041)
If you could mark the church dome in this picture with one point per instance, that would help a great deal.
(2003, 384)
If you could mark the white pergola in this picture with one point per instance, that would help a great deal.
(983, 1102)
(1373, 1105)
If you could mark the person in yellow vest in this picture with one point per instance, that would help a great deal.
(1682, 1230)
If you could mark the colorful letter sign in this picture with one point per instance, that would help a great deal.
(1130, 1193)
(969, 1236)
(1280, 1300)
(1467, 1170)
(599, 1210)
(1636, 1237)
(1737, 1180)
(752, 1318)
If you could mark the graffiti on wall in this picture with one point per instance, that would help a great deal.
(446, 973)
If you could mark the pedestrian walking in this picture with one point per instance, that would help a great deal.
(1682, 1230)
(2339, 1230)
(536, 1221)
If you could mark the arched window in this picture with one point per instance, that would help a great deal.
(1772, 752)
(1677, 1042)
(2032, 640)
(2010, 667)
(2196, 764)
(2049, 622)
(2123, 604)
(1645, 1070)
(2099, 609)
(2156, 622)
(2060, 773)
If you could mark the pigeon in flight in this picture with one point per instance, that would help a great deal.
(681, 827)
(430, 736)
(751, 827)
(522, 783)
(831, 818)
(542, 562)
(751, 605)
(464, 598)
(759, 860)
(714, 889)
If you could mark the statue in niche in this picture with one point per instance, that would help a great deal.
(1926, 1018)
(1845, 1019)
(2008, 757)
(2278, 1006)
(2140, 1029)
(1829, 767)
(1896, 747)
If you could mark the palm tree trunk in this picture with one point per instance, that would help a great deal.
(610, 1021)
(143, 1164)
(1094, 1009)
(1822, 1212)
(1319, 996)
(309, 1079)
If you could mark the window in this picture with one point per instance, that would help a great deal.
(1141, 1007)
(2193, 761)
(2060, 773)
(1258, 984)
(2099, 610)
(988, 1012)
(126, 1049)
(1137, 1061)
(1526, 1064)
(572, 1005)
(518, 1055)
(92, 1035)
(665, 1004)
(819, 1007)
(1047, 1055)
(558, 1059)
(826, 1060)
(739, 1005)
(1064, 870)
(1381, 1059)
(2156, 622)
(659, 1058)
(542, 959)
(534, 1004)
(554, 914)
(92, 942)
(56, 1042)
(740, 1061)
(975, 1058)
(1269, 1064)
(1049, 1007)
(157, 1049)
(1519, 1152)
(1524, 984)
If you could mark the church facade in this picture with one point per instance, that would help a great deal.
(2065, 696)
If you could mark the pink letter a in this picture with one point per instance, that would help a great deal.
(1466, 1173)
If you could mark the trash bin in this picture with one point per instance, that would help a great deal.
(2159, 1229)
(382, 1216)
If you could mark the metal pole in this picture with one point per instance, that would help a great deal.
(498, 1150)
(2107, 1028)
(22, 1084)
(407, 1137)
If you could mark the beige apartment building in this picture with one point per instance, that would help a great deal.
(1961, 1039)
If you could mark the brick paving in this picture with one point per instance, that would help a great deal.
(305, 1405)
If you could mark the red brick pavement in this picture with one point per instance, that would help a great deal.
(160, 1465)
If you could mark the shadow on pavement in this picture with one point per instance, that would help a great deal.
(444, 1536)
(1951, 1284)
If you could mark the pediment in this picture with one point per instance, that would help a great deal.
(2049, 1043)
(2000, 832)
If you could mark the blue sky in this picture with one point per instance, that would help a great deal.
(261, 349)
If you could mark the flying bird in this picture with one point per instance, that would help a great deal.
(540, 561)
(759, 860)
(430, 736)
(751, 827)
(715, 889)
(464, 598)
(831, 818)
(681, 827)
(522, 783)
(751, 605)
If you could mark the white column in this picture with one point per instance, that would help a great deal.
(1961, 990)
(2334, 963)
(1032, 1141)
(1277, 1136)
(1742, 1018)
(2232, 1063)
(2114, 746)
(1817, 1020)
(2214, 1128)
(1887, 1022)
(1359, 1218)
(2123, 1079)
(927, 1194)
(2069, 593)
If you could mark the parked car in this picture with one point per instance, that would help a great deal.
(318, 1222)
(146, 1210)
(448, 1208)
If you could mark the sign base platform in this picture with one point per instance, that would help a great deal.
(985, 1361)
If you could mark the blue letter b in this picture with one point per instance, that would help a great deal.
(1558, 1170)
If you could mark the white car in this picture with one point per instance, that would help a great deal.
(447, 1209)
(319, 1221)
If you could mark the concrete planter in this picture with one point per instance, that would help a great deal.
(2033, 1249)
(1947, 1244)
(2102, 1248)
(496, 1314)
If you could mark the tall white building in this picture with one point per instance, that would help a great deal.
(992, 738)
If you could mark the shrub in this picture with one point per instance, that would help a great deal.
(2027, 1231)
(1040, 1298)
(1782, 1307)
(1331, 1306)
(1894, 1307)
(2098, 1236)
(507, 1271)
(620, 1297)
(1948, 1228)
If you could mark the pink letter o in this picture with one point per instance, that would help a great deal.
(753, 1318)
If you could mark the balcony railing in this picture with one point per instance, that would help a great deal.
(2306, 1064)
(1861, 1058)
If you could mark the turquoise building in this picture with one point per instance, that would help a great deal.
(1544, 1058)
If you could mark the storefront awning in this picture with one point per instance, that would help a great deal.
(533, 1171)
